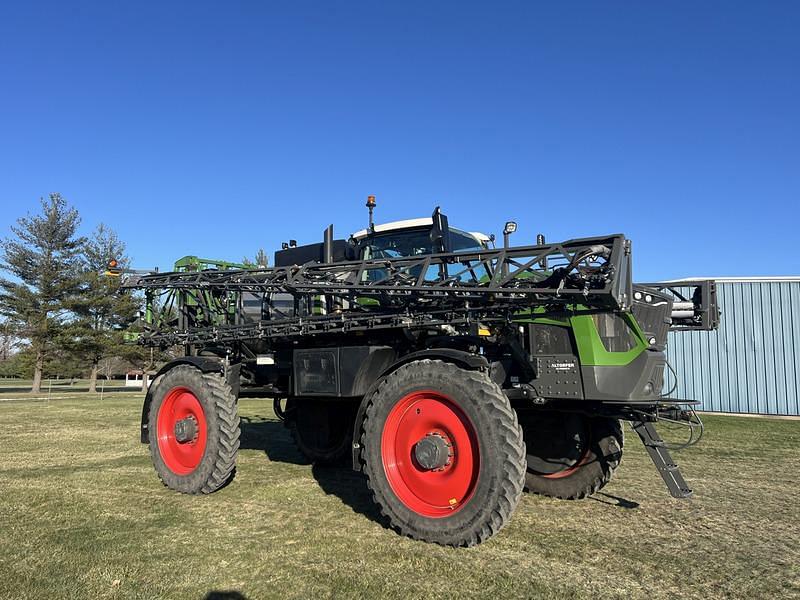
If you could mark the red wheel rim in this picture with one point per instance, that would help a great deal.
(181, 457)
(438, 492)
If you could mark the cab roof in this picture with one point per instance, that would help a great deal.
(410, 224)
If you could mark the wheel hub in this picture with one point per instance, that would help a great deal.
(182, 430)
(433, 452)
(186, 430)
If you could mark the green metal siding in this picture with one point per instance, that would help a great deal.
(752, 363)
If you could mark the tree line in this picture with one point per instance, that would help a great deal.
(61, 314)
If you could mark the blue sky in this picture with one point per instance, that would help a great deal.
(218, 128)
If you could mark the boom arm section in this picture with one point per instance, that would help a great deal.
(694, 304)
(419, 291)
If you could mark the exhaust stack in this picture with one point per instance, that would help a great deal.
(327, 246)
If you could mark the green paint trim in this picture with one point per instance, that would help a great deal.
(591, 350)
(194, 263)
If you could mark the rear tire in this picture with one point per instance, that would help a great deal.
(443, 453)
(193, 430)
(322, 430)
(570, 456)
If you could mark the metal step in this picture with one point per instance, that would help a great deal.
(659, 454)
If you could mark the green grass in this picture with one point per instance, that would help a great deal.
(82, 514)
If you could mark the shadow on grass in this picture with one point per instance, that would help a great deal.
(225, 595)
(604, 498)
(271, 437)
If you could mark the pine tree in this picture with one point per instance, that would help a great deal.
(7, 339)
(43, 258)
(101, 312)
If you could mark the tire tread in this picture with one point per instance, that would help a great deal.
(222, 451)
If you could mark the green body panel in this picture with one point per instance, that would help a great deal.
(534, 315)
(591, 350)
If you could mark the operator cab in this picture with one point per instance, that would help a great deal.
(412, 237)
(398, 239)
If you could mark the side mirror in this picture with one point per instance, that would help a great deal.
(351, 250)
(440, 232)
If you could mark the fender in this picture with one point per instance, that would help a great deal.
(466, 360)
(207, 364)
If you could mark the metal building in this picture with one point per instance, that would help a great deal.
(751, 364)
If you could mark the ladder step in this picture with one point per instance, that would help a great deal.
(655, 444)
(659, 454)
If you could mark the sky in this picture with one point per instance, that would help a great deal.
(216, 128)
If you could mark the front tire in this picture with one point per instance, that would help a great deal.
(443, 453)
(193, 430)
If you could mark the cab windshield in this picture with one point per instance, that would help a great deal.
(398, 244)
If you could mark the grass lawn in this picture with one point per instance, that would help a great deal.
(82, 514)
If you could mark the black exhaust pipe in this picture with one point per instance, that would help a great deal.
(327, 247)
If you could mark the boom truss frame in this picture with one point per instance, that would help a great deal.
(203, 307)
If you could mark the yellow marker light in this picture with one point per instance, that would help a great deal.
(483, 331)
